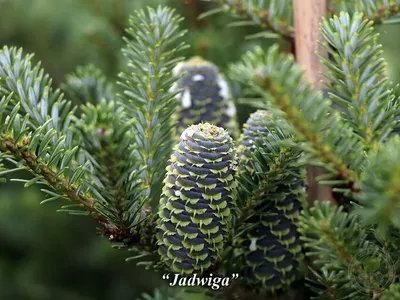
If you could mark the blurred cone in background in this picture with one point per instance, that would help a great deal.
(205, 97)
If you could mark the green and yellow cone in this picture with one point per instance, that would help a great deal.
(194, 214)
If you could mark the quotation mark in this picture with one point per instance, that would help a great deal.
(165, 276)
(235, 275)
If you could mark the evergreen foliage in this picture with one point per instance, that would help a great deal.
(356, 78)
(152, 53)
(378, 11)
(88, 84)
(275, 16)
(199, 212)
(332, 239)
(277, 78)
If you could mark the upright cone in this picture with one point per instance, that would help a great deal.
(194, 212)
(269, 248)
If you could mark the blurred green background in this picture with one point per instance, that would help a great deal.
(48, 255)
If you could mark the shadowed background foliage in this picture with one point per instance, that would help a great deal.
(49, 255)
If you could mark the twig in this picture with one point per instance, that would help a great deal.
(37, 166)
(286, 31)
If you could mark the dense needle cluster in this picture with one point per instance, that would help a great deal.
(194, 213)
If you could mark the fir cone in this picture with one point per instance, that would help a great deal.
(205, 98)
(194, 212)
(269, 249)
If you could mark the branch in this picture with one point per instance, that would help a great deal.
(42, 143)
(334, 241)
(276, 18)
(379, 197)
(39, 167)
(376, 10)
(31, 87)
(328, 142)
(53, 167)
(356, 78)
(151, 51)
(106, 140)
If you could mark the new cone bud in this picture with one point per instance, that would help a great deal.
(269, 247)
(194, 213)
(205, 97)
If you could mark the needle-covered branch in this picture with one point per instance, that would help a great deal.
(51, 166)
(379, 197)
(335, 242)
(152, 46)
(103, 132)
(376, 10)
(38, 135)
(35, 132)
(106, 141)
(32, 89)
(273, 15)
(356, 77)
(326, 139)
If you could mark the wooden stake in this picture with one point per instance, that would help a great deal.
(307, 17)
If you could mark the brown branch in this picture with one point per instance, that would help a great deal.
(112, 176)
(380, 15)
(334, 241)
(38, 167)
(238, 7)
(287, 31)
